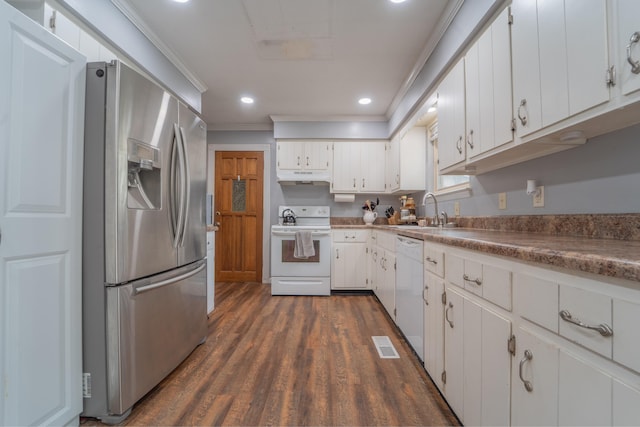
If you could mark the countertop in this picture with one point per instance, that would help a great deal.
(606, 257)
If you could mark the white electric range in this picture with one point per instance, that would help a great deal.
(301, 276)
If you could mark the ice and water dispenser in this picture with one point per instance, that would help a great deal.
(143, 176)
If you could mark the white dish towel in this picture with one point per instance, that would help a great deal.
(304, 245)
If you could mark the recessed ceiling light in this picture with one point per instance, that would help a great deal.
(364, 101)
(397, 1)
(180, 1)
(431, 109)
(246, 100)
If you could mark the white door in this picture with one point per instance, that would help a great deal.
(346, 166)
(290, 155)
(42, 86)
(317, 155)
(372, 161)
(627, 12)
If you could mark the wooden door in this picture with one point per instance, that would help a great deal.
(238, 210)
(42, 88)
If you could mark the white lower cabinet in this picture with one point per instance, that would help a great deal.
(584, 393)
(534, 392)
(568, 353)
(434, 328)
(626, 409)
(383, 269)
(453, 352)
(349, 259)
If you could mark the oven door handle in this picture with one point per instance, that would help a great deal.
(290, 233)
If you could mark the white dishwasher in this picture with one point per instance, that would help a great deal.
(409, 283)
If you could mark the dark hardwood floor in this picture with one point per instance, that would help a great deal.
(293, 360)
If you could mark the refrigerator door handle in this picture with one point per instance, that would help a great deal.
(187, 186)
(179, 227)
(172, 188)
(169, 281)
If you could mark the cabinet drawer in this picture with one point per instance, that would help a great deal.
(496, 286)
(386, 240)
(359, 236)
(581, 310)
(536, 299)
(433, 260)
(485, 280)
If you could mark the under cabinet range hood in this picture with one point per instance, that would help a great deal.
(298, 177)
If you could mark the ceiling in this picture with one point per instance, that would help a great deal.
(299, 59)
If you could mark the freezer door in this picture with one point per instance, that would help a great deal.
(193, 244)
(140, 138)
(152, 326)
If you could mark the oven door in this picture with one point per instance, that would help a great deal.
(284, 264)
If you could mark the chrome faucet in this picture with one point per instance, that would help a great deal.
(436, 218)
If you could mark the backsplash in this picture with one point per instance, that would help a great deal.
(602, 226)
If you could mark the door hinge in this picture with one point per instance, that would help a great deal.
(443, 297)
(511, 345)
(366, 281)
(395, 312)
(444, 377)
(52, 21)
(86, 385)
(610, 79)
(510, 18)
(395, 265)
(513, 124)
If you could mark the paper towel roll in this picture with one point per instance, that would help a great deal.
(345, 198)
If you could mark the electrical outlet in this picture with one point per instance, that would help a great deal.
(538, 198)
(456, 208)
(502, 201)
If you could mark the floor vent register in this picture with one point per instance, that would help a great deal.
(385, 348)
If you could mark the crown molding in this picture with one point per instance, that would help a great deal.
(135, 19)
(240, 127)
(285, 118)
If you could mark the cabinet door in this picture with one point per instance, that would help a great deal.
(434, 328)
(626, 335)
(346, 166)
(587, 53)
(496, 369)
(453, 351)
(626, 411)
(413, 160)
(345, 257)
(502, 85)
(393, 165)
(472, 104)
(42, 99)
(537, 405)
(627, 12)
(316, 155)
(451, 118)
(290, 155)
(472, 363)
(553, 61)
(372, 161)
(526, 67)
(584, 393)
(390, 282)
(485, 140)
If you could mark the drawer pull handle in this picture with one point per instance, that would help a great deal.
(446, 314)
(476, 281)
(604, 329)
(432, 261)
(527, 384)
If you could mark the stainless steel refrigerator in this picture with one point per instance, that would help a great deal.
(144, 238)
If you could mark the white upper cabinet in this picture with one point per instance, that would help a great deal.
(451, 119)
(304, 155)
(626, 13)
(358, 167)
(488, 89)
(560, 59)
(406, 160)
